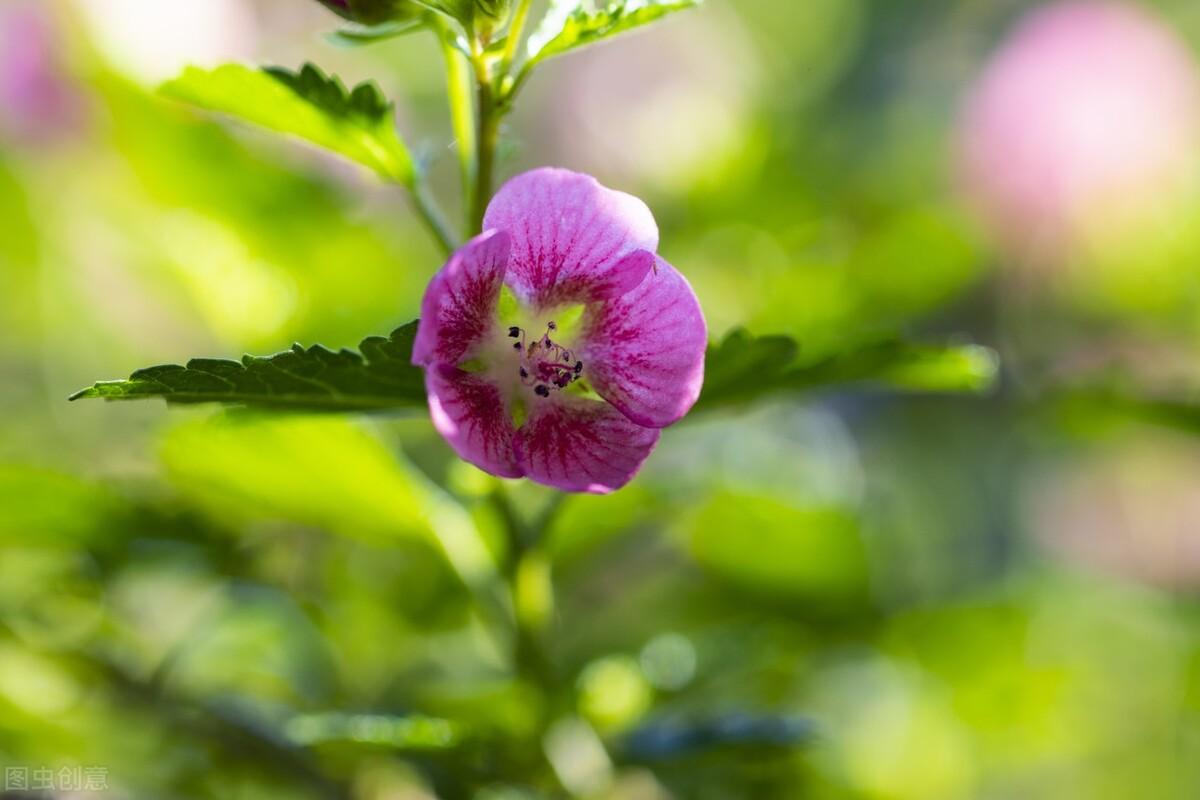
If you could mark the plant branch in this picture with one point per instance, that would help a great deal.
(514, 35)
(431, 215)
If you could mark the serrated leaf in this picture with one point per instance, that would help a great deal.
(744, 367)
(378, 377)
(308, 104)
(571, 24)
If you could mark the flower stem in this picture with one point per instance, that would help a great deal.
(488, 117)
(527, 572)
(462, 114)
(431, 215)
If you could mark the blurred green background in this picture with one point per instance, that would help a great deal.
(848, 594)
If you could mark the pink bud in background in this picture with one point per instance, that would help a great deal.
(36, 99)
(1083, 121)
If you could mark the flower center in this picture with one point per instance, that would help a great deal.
(544, 364)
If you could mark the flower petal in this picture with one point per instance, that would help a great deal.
(470, 413)
(459, 308)
(581, 445)
(568, 234)
(644, 351)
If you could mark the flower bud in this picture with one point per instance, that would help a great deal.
(372, 12)
(495, 10)
(489, 15)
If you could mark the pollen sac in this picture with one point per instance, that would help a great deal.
(544, 364)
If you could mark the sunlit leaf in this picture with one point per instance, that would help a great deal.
(571, 24)
(378, 377)
(324, 471)
(744, 367)
(357, 124)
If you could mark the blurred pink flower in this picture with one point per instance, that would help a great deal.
(1087, 114)
(506, 394)
(1131, 508)
(36, 98)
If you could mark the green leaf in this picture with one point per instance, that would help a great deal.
(357, 124)
(744, 367)
(380, 377)
(571, 24)
(461, 10)
(358, 35)
(1098, 407)
(413, 732)
(477, 17)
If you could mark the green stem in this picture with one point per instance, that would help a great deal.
(527, 573)
(514, 35)
(488, 116)
(462, 115)
(513, 87)
(431, 215)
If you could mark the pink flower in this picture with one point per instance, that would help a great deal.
(1082, 121)
(37, 101)
(557, 344)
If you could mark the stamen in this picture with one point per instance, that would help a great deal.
(544, 364)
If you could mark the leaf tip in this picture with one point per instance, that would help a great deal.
(983, 366)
